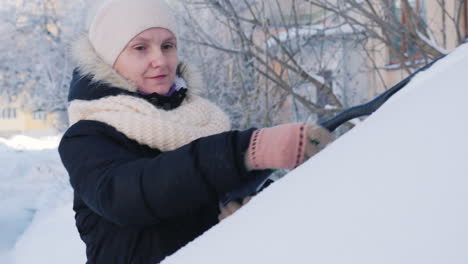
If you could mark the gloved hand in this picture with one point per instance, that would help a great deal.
(285, 146)
(231, 207)
(317, 139)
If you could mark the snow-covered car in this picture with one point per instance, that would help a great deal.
(392, 190)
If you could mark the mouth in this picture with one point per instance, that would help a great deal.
(158, 77)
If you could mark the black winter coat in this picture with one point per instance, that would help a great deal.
(135, 204)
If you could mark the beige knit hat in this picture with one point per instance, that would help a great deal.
(113, 23)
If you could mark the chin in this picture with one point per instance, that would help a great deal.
(158, 90)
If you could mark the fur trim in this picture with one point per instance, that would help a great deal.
(89, 63)
(191, 76)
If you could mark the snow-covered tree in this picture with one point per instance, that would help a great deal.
(35, 46)
(407, 32)
(278, 61)
(317, 57)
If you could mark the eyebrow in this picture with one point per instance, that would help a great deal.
(138, 39)
(142, 39)
(170, 39)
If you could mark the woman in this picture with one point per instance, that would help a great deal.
(148, 159)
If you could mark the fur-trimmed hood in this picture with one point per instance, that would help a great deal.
(99, 75)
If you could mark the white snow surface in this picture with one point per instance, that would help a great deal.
(392, 190)
(36, 216)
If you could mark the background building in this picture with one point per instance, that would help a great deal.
(15, 119)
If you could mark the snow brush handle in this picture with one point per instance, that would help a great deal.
(370, 107)
(255, 185)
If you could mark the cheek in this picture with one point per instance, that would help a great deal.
(174, 63)
(131, 69)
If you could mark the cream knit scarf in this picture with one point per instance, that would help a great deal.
(140, 120)
(148, 125)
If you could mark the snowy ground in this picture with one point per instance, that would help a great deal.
(33, 183)
(392, 190)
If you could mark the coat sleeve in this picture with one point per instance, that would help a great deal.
(129, 190)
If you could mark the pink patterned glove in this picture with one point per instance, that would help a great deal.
(285, 146)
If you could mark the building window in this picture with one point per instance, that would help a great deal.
(40, 115)
(401, 43)
(8, 113)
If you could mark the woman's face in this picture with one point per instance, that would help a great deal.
(150, 60)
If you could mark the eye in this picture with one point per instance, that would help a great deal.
(140, 48)
(168, 46)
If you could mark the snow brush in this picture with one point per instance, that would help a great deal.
(257, 183)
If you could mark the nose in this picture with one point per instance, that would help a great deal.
(157, 59)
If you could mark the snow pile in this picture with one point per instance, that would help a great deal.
(33, 184)
(21, 142)
(52, 238)
(392, 190)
